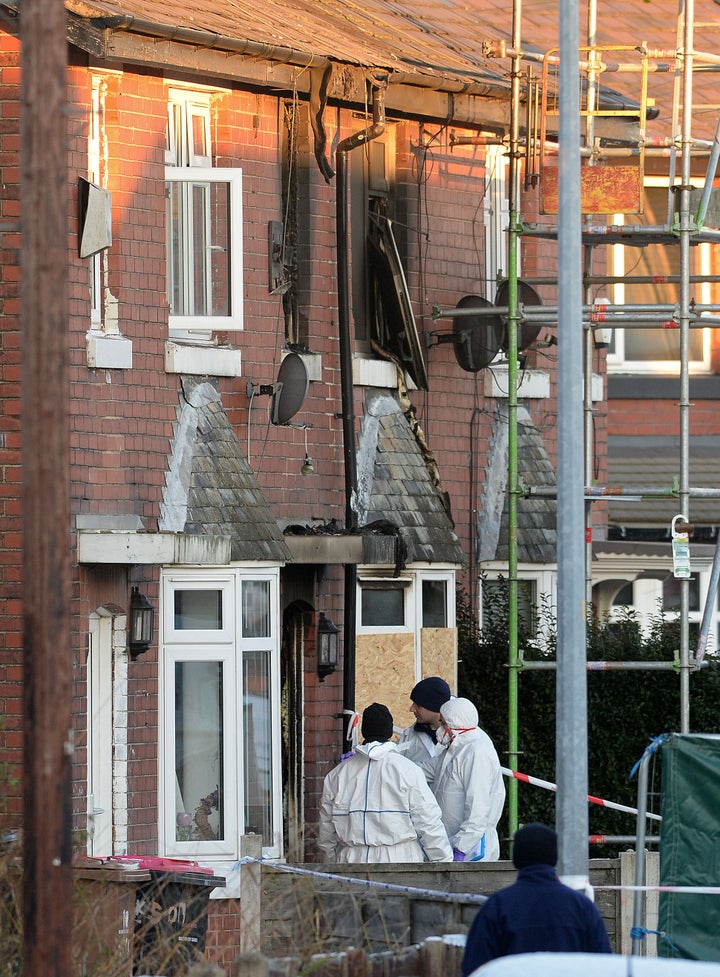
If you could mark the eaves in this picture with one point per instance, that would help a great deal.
(482, 101)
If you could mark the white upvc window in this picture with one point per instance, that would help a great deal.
(220, 694)
(416, 599)
(203, 226)
(95, 175)
(657, 350)
(649, 597)
(497, 217)
(536, 596)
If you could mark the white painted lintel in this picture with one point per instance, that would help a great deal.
(123, 547)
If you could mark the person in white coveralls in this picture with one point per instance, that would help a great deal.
(419, 741)
(376, 805)
(468, 784)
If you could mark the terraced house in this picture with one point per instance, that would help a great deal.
(286, 451)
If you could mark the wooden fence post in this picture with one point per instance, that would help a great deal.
(250, 896)
(432, 957)
(250, 965)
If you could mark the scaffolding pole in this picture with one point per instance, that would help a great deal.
(571, 681)
(512, 354)
(576, 324)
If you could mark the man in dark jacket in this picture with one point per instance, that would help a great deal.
(538, 912)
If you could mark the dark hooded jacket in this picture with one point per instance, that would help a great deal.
(537, 913)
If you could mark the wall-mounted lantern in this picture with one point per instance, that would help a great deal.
(327, 647)
(142, 619)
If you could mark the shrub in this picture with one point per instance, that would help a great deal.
(626, 708)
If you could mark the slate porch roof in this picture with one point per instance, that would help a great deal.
(210, 488)
(395, 485)
(536, 517)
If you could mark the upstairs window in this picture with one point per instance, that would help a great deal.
(657, 350)
(497, 217)
(94, 175)
(203, 226)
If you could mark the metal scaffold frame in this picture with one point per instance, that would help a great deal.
(579, 238)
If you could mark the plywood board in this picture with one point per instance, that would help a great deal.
(385, 672)
(603, 190)
(438, 654)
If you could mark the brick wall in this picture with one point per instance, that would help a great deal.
(122, 420)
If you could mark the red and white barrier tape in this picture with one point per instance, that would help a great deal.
(526, 778)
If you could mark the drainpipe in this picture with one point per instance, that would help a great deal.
(345, 147)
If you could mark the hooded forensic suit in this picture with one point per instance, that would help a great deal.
(469, 784)
(377, 807)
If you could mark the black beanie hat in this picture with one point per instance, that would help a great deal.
(535, 844)
(377, 723)
(431, 693)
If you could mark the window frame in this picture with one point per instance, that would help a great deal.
(403, 584)
(190, 161)
(619, 253)
(496, 208)
(225, 645)
(193, 327)
(411, 582)
(545, 592)
(94, 175)
(648, 600)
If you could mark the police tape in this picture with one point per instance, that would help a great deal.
(526, 778)
(471, 897)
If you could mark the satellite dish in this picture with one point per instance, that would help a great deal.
(526, 295)
(290, 389)
(476, 338)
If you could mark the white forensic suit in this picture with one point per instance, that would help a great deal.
(417, 746)
(469, 784)
(377, 807)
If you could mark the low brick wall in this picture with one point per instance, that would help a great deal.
(305, 915)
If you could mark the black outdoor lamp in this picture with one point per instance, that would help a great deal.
(142, 618)
(327, 647)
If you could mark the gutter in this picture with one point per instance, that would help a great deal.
(491, 87)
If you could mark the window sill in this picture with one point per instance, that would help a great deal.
(368, 372)
(108, 352)
(644, 387)
(532, 384)
(202, 360)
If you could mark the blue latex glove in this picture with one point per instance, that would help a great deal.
(458, 856)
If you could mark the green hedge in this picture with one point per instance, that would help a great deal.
(626, 709)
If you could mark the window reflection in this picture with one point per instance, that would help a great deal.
(383, 608)
(198, 610)
(434, 604)
(256, 609)
(198, 751)
(257, 745)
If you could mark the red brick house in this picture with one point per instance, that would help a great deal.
(275, 436)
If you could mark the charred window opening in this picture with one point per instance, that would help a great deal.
(285, 255)
(382, 311)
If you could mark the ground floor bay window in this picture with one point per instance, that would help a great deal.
(220, 721)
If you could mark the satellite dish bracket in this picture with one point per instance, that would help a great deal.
(288, 391)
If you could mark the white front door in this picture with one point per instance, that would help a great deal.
(99, 746)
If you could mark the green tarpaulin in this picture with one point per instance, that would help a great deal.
(690, 846)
